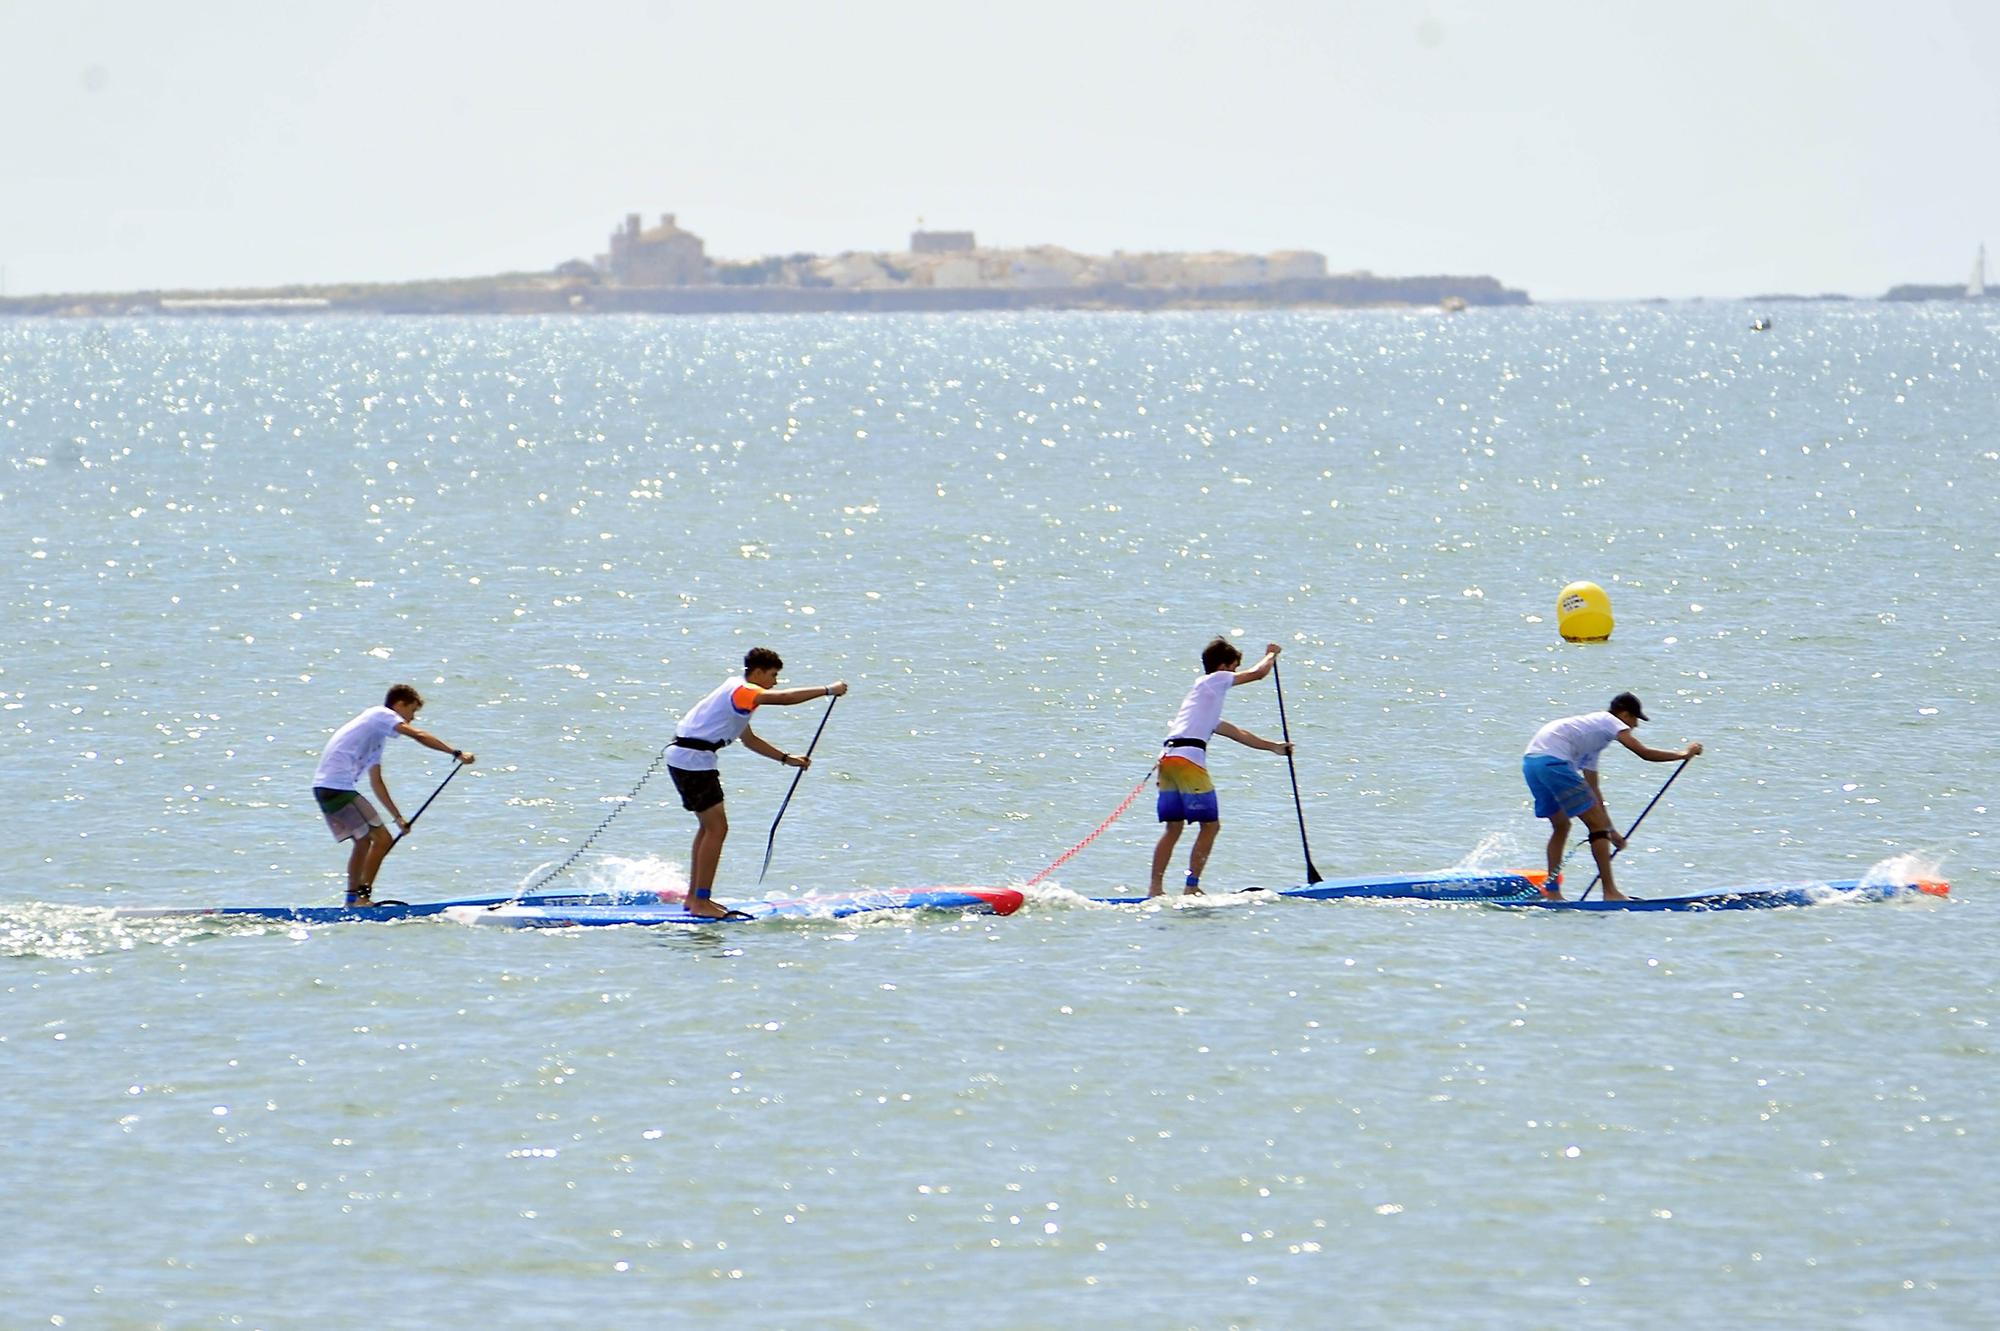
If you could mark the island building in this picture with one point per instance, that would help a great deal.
(941, 242)
(664, 256)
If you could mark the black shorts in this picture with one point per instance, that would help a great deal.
(699, 790)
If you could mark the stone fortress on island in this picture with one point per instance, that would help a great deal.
(667, 268)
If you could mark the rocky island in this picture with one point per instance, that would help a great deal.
(666, 269)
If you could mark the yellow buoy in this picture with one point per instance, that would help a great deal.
(1583, 613)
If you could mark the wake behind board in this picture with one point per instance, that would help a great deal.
(1770, 897)
(1506, 885)
(386, 913)
(834, 906)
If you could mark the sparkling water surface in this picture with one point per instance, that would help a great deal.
(1011, 535)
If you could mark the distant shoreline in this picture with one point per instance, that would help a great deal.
(538, 293)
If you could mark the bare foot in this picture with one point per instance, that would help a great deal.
(708, 910)
(1193, 892)
(1613, 894)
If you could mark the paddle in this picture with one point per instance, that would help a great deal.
(1635, 825)
(1312, 874)
(771, 842)
(411, 826)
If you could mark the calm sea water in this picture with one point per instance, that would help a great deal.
(1011, 535)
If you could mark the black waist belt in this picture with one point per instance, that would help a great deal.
(705, 745)
(1185, 743)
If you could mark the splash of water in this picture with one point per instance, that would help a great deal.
(38, 929)
(1910, 867)
(617, 873)
(1496, 852)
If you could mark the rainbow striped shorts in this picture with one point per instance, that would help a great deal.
(1186, 793)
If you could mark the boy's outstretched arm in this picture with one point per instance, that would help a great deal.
(1653, 755)
(1242, 736)
(430, 741)
(1262, 668)
(786, 697)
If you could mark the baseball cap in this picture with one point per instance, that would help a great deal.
(1628, 702)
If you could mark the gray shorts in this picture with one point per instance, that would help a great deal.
(349, 819)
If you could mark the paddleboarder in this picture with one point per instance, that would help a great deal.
(1560, 767)
(356, 748)
(1186, 793)
(720, 719)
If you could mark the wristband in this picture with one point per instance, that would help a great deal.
(458, 755)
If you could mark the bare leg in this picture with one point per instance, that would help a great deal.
(1204, 841)
(1558, 838)
(357, 861)
(370, 851)
(704, 858)
(1597, 819)
(1163, 854)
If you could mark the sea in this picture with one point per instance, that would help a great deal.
(1011, 535)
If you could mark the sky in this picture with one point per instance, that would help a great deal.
(1596, 149)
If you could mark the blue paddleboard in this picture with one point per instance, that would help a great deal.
(1392, 887)
(1769, 897)
(380, 914)
(834, 906)
(1523, 890)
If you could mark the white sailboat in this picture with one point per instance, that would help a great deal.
(1976, 288)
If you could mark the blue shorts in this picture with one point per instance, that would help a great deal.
(1556, 785)
(1186, 793)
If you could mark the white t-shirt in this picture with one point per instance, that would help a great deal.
(1200, 714)
(721, 717)
(355, 748)
(1577, 739)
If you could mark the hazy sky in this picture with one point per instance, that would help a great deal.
(1579, 150)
